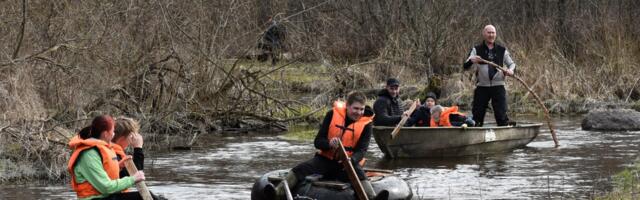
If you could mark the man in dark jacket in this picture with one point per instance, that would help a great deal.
(387, 107)
(490, 81)
(272, 41)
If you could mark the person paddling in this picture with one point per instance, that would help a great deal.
(422, 115)
(490, 81)
(387, 107)
(93, 165)
(349, 123)
(127, 133)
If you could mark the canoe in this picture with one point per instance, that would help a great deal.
(326, 189)
(423, 142)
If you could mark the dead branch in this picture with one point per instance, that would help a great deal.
(22, 25)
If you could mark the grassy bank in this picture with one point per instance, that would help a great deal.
(626, 184)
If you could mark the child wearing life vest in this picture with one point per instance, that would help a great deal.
(94, 167)
(449, 116)
(127, 133)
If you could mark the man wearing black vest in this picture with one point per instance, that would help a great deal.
(490, 81)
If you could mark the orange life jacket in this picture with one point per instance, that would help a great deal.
(119, 150)
(109, 163)
(444, 117)
(349, 135)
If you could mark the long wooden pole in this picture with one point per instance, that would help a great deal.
(141, 186)
(395, 131)
(351, 172)
(546, 111)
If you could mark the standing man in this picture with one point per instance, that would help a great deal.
(348, 123)
(387, 107)
(490, 81)
(272, 41)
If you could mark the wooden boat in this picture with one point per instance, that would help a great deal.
(330, 189)
(420, 142)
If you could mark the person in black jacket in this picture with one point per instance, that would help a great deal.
(422, 115)
(126, 133)
(272, 41)
(387, 107)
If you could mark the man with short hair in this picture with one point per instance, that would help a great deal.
(489, 80)
(387, 107)
(348, 123)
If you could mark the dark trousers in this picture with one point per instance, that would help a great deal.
(329, 169)
(128, 196)
(498, 97)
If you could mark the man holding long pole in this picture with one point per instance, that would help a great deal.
(489, 80)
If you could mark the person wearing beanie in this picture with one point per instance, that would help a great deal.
(422, 115)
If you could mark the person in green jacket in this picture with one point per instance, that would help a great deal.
(94, 167)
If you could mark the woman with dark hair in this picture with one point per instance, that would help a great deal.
(94, 168)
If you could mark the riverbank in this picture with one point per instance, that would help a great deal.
(626, 184)
(28, 151)
(225, 167)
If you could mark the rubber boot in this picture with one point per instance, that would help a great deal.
(291, 180)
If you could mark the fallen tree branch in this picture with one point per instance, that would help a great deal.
(29, 57)
(22, 25)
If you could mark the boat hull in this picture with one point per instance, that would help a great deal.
(423, 142)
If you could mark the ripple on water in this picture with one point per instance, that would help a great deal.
(228, 166)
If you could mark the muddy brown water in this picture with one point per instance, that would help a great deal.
(226, 167)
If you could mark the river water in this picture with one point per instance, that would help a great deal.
(226, 167)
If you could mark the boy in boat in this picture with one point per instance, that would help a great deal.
(349, 123)
(422, 115)
(449, 116)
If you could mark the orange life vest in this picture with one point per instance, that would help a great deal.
(109, 163)
(348, 135)
(119, 150)
(444, 117)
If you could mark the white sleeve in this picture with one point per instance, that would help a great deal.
(508, 61)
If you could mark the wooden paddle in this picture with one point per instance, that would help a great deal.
(546, 111)
(141, 186)
(395, 131)
(351, 172)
